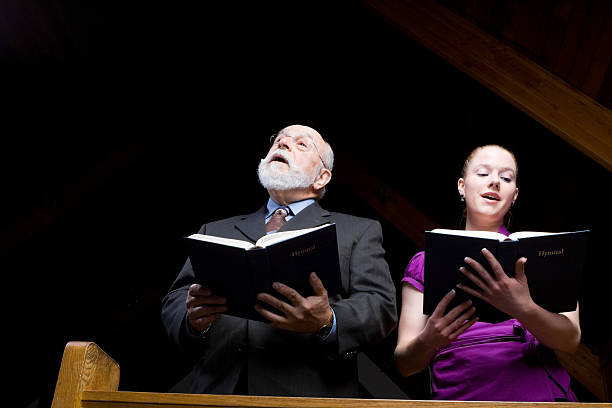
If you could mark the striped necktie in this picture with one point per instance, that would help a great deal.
(277, 220)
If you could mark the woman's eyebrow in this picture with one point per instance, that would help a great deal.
(479, 165)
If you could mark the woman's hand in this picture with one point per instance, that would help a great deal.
(420, 335)
(559, 331)
(442, 328)
(510, 295)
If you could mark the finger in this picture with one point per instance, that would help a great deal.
(202, 311)
(457, 310)
(276, 303)
(477, 281)
(208, 319)
(459, 321)
(317, 285)
(495, 265)
(273, 318)
(473, 292)
(463, 328)
(519, 270)
(480, 270)
(211, 300)
(201, 324)
(198, 290)
(444, 302)
(205, 300)
(291, 294)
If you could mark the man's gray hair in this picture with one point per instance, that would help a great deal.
(327, 157)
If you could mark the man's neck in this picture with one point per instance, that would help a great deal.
(286, 197)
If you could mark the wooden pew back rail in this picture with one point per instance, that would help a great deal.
(89, 378)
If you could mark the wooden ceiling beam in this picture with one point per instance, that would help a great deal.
(387, 201)
(575, 117)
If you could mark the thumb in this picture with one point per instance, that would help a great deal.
(519, 270)
(317, 285)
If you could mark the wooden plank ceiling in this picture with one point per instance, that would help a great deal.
(549, 59)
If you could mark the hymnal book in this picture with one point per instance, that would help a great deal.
(554, 265)
(239, 270)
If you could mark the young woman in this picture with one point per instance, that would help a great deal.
(471, 360)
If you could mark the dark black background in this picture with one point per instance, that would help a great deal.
(127, 125)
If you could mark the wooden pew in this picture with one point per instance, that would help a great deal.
(89, 378)
(590, 370)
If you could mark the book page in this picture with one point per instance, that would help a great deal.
(284, 235)
(528, 234)
(466, 233)
(223, 241)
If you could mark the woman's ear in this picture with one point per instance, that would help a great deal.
(515, 196)
(461, 187)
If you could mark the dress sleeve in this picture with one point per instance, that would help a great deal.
(414, 271)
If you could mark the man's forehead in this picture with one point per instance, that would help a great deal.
(298, 131)
(295, 131)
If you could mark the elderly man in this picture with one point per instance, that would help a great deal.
(309, 347)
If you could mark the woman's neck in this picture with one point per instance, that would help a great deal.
(472, 225)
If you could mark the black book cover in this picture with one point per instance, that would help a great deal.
(240, 274)
(553, 269)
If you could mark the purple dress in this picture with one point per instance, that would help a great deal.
(493, 361)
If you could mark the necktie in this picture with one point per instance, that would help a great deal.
(277, 220)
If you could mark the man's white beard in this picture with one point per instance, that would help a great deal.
(271, 178)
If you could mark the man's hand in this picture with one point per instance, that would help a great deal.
(203, 308)
(303, 315)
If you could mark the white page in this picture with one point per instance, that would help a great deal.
(527, 234)
(284, 235)
(467, 233)
(224, 241)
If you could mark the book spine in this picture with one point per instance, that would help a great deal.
(507, 254)
(260, 275)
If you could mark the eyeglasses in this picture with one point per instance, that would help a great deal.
(303, 143)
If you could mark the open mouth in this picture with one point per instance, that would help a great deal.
(279, 159)
(491, 196)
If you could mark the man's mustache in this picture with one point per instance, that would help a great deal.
(279, 154)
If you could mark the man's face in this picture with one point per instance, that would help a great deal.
(293, 161)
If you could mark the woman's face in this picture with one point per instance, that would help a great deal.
(489, 186)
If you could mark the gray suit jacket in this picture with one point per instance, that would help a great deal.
(281, 362)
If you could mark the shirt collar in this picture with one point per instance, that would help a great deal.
(294, 207)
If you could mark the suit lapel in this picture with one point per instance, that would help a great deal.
(311, 216)
(253, 225)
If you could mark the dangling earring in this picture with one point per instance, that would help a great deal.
(463, 219)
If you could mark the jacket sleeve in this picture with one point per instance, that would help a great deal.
(368, 311)
(174, 310)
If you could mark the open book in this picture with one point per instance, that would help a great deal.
(239, 270)
(262, 242)
(554, 265)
